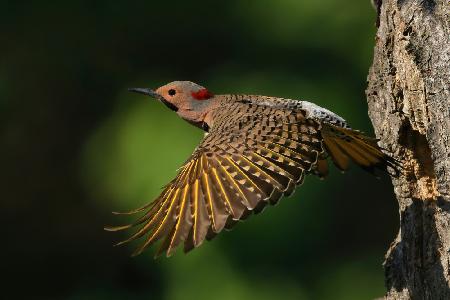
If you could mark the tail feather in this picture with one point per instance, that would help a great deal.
(339, 157)
(321, 168)
(342, 144)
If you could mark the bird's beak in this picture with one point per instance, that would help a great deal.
(153, 94)
(147, 92)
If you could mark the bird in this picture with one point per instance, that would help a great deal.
(256, 150)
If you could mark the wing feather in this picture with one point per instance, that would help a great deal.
(232, 199)
(238, 190)
(249, 191)
(151, 221)
(201, 220)
(214, 204)
(243, 164)
(183, 223)
(164, 226)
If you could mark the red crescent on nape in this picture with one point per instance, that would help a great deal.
(202, 94)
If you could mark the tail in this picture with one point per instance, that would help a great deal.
(343, 144)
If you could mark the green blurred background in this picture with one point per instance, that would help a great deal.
(76, 145)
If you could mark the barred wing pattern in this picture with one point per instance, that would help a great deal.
(245, 162)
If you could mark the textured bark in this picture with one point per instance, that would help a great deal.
(409, 105)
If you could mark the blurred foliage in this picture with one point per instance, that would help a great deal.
(75, 146)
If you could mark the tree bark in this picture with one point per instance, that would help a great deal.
(409, 105)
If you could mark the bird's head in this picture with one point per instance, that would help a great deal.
(189, 100)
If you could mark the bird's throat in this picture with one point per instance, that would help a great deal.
(169, 105)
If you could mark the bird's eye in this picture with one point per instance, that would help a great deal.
(172, 92)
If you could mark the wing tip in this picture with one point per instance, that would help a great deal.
(117, 228)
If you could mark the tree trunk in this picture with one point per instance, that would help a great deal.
(409, 105)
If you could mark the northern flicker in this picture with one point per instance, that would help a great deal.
(256, 149)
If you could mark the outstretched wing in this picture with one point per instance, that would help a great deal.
(245, 162)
